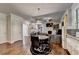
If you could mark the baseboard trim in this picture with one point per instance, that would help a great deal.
(10, 42)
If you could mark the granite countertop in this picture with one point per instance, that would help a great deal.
(43, 36)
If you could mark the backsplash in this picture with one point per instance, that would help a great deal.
(72, 31)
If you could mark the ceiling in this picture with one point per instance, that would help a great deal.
(56, 16)
(45, 8)
(31, 9)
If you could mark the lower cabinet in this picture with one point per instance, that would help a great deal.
(73, 46)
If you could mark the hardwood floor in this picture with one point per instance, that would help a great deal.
(17, 49)
(12, 49)
(57, 49)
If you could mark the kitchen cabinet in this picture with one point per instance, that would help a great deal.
(73, 45)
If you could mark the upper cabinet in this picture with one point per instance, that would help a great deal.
(74, 14)
(72, 17)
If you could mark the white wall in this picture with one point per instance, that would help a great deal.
(10, 28)
(3, 28)
(16, 28)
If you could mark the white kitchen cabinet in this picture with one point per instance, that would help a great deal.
(73, 45)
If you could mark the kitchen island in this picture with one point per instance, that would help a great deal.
(40, 44)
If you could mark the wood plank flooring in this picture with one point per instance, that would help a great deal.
(17, 49)
(12, 49)
(57, 49)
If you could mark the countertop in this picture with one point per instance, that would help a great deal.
(70, 36)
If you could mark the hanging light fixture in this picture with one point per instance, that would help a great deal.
(38, 11)
(38, 18)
